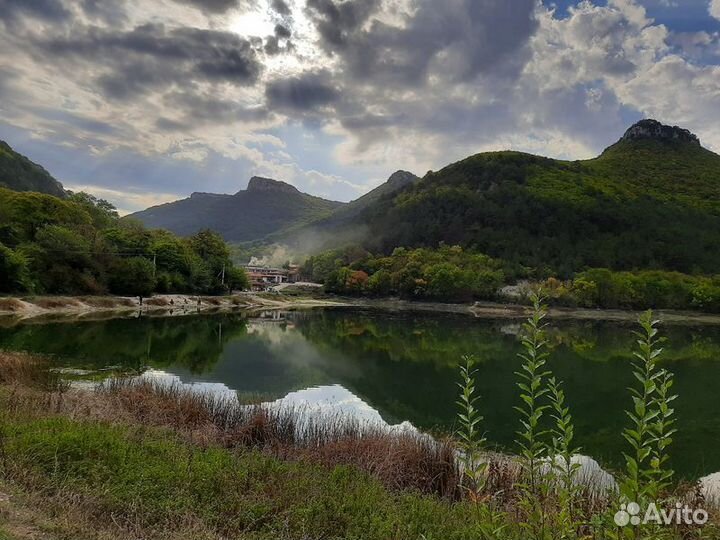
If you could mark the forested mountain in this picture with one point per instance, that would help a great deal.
(344, 225)
(652, 200)
(20, 174)
(266, 206)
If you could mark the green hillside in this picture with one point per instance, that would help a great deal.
(20, 174)
(652, 200)
(266, 206)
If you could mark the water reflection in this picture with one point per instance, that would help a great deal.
(400, 368)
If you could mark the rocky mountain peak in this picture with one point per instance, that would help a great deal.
(652, 129)
(258, 183)
(399, 179)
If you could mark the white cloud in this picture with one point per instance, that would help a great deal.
(560, 86)
(715, 8)
(125, 201)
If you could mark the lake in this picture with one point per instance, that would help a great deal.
(398, 367)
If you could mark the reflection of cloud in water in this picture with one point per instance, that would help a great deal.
(274, 332)
(711, 487)
(162, 377)
(336, 401)
(332, 401)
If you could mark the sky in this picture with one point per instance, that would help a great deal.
(146, 101)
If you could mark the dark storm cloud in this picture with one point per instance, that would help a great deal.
(282, 31)
(207, 109)
(337, 22)
(460, 39)
(272, 43)
(303, 93)
(216, 6)
(47, 10)
(112, 13)
(281, 7)
(153, 56)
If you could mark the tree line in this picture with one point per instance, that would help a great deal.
(453, 274)
(80, 245)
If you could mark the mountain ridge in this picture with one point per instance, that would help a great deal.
(264, 207)
(19, 173)
(650, 201)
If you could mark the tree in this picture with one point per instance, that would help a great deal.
(237, 279)
(14, 272)
(102, 212)
(132, 277)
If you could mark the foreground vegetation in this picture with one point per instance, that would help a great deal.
(137, 459)
(79, 245)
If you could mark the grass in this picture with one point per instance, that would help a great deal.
(136, 459)
(150, 480)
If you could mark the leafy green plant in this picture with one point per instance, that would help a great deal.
(562, 451)
(652, 419)
(533, 385)
(536, 484)
(471, 438)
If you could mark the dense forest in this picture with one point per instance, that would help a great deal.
(79, 245)
(641, 205)
(449, 273)
(446, 273)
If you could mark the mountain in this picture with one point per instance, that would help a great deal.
(344, 225)
(20, 174)
(265, 207)
(651, 200)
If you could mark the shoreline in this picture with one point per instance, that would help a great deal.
(39, 308)
(71, 308)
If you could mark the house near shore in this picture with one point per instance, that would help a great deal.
(264, 278)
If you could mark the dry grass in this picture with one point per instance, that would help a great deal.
(107, 302)
(29, 370)
(400, 460)
(10, 304)
(54, 302)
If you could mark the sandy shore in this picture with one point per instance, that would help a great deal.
(16, 309)
(94, 307)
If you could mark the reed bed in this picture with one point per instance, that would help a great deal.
(400, 459)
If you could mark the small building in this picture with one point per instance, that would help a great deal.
(263, 278)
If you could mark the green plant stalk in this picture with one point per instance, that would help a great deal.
(652, 419)
(533, 379)
(533, 449)
(471, 439)
(563, 449)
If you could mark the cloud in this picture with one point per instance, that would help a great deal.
(714, 8)
(338, 93)
(47, 10)
(306, 92)
(213, 6)
(458, 42)
(281, 7)
(153, 55)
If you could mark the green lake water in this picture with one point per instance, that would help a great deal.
(400, 367)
